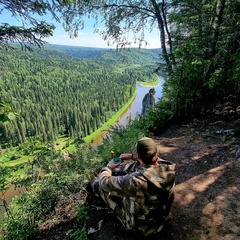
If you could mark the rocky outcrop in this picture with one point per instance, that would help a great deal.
(148, 101)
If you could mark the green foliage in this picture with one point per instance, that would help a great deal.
(125, 57)
(203, 44)
(6, 113)
(78, 105)
(204, 65)
(78, 234)
(4, 173)
(82, 213)
(156, 117)
(121, 140)
(59, 178)
(122, 19)
(202, 39)
(204, 56)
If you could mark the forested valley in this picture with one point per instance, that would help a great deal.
(68, 91)
(57, 92)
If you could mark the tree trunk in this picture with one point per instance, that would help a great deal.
(213, 45)
(162, 34)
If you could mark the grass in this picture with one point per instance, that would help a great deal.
(21, 160)
(71, 148)
(147, 84)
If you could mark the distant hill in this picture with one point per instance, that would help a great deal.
(113, 56)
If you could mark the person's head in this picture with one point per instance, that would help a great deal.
(147, 150)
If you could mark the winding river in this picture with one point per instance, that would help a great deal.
(135, 108)
(132, 112)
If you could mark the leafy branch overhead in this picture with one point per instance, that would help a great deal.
(33, 35)
(125, 22)
(31, 29)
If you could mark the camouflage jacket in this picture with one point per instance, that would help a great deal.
(142, 198)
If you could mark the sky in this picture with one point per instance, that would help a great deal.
(86, 37)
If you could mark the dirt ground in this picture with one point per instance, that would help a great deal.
(207, 192)
(207, 200)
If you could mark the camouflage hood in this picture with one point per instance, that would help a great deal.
(162, 175)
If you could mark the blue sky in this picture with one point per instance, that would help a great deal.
(86, 37)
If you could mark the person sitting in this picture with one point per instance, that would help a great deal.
(143, 196)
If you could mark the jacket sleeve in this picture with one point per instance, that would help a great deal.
(117, 185)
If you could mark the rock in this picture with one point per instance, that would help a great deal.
(148, 101)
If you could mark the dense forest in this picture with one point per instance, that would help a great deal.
(56, 92)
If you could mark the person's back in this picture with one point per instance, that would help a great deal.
(143, 197)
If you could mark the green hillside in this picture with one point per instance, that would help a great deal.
(113, 56)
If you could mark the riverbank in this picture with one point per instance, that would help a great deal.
(68, 145)
(151, 84)
(63, 145)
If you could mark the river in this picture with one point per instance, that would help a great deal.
(132, 112)
(134, 109)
